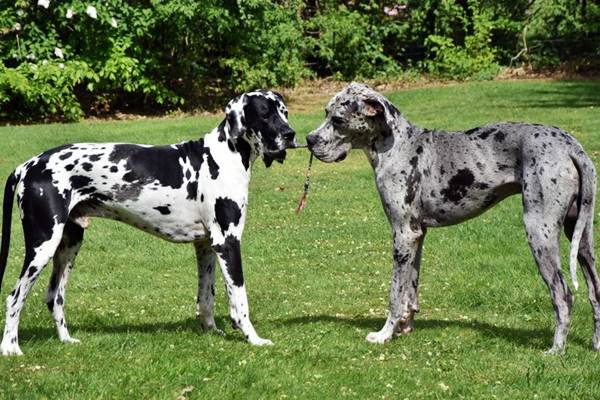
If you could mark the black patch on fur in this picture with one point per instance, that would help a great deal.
(147, 164)
(499, 136)
(95, 157)
(412, 181)
(69, 167)
(458, 185)
(87, 166)
(114, 169)
(192, 190)
(66, 155)
(195, 151)
(31, 271)
(231, 145)
(213, 167)
(164, 210)
(227, 211)
(221, 130)
(230, 252)
(87, 190)
(245, 151)
(485, 134)
(400, 258)
(79, 181)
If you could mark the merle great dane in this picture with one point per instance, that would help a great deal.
(191, 192)
(430, 178)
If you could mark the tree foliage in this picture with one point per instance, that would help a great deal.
(65, 59)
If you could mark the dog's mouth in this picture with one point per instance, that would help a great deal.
(341, 157)
(276, 155)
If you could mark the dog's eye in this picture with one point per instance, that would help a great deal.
(337, 120)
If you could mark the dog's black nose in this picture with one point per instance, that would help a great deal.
(289, 135)
(312, 139)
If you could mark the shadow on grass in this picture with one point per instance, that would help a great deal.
(102, 326)
(531, 338)
(563, 94)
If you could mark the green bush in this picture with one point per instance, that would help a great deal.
(66, 59)
(348, 46)
(475, 57)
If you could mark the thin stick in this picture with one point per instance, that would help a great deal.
(304, 198)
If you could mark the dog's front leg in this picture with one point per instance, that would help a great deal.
(403, 289)
(230, 259)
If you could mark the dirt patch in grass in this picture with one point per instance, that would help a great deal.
(311, 96)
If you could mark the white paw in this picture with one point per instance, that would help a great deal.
(70, 340)
(215, 331)
(211, 327)
(260, 342)
(555, 351)
(11, 350)
(378, 337)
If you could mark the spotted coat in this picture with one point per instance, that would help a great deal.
(190, 192)
(429, 178)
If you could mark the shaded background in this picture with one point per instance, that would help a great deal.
(62, 60)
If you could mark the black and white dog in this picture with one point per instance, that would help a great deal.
(191, 192)
(430, 178)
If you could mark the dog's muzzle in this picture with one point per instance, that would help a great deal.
(288, 142)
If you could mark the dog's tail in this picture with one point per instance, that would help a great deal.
(585, 206)
(9, 194)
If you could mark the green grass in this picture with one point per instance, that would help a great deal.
(317, 283)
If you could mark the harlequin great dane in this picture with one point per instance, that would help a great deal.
(430, 178)
(191, 192)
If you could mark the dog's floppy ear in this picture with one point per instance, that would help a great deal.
(234, 117)
(374, 107)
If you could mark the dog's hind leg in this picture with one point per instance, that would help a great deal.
(43, 225)
(544, 210)
(588, 265)
(64, 259)
(205, 258)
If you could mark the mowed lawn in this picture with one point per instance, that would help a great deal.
(317, 282)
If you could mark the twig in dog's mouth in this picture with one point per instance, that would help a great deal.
(304, 198)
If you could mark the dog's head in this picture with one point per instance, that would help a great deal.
(260, 118)
(355, 117)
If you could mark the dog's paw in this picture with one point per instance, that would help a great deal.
(378, 338)
(555, 351)
(257, 341)
(215, 331)
(70, 340)
(404, 328)
(11, 350)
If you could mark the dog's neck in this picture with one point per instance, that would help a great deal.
(383, 146)
(238, 149)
